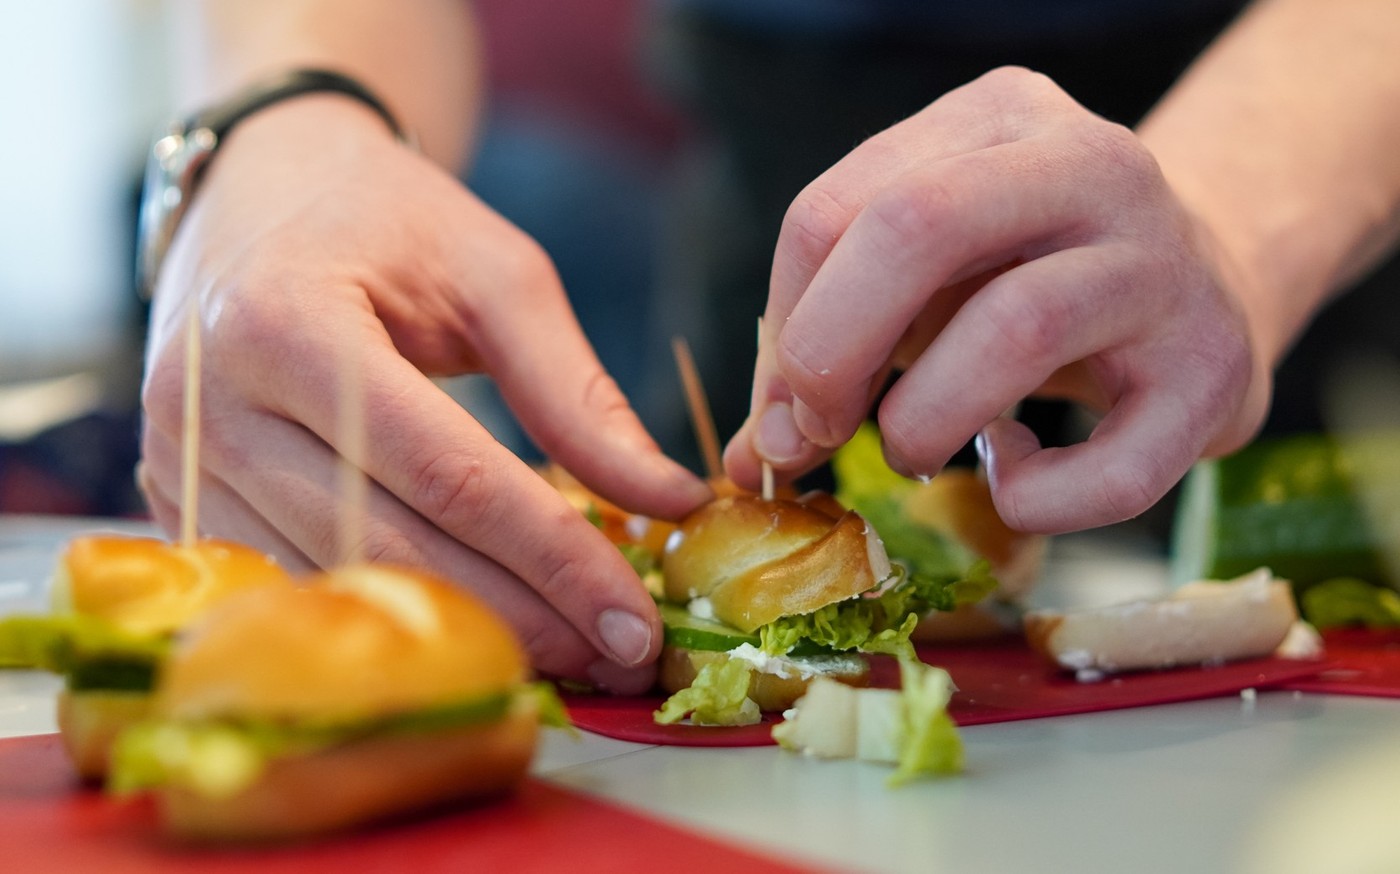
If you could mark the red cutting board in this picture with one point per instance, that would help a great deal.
(49, 824)
(998, 681)
(1361, 662)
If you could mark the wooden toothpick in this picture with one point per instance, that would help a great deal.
(700, 416)
(354, 486)
(189, 433)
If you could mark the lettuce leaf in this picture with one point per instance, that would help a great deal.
(719, 696)
(909, 728)
(64, 643)
(929, 742)
(866, 484)
(1347, 601)
(877, 623)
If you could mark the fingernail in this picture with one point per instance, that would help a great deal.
(777, 439)
(983, 450)
(902, 469)
(608, 676)
(626, 635)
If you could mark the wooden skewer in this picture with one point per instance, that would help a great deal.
(189, 435)
(767, 493)
(354, 488)
(700, 416)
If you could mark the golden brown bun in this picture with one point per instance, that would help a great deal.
(757, 560)
(772, 693)
(622, 527)
(149, 586)
(363, 641)
(363, 782)
(1201, 622)
(88, 722)
(958, 504)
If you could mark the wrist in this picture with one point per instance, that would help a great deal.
(179, 160)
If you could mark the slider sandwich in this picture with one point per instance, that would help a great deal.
(942, 527)
(762, 596)
(118, 602)
(370, 693)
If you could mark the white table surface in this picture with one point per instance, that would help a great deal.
(1284, 782)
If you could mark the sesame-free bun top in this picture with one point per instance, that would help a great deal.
(759, 560)
(358, 642)
(148, 586)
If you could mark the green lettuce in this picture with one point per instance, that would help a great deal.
(881, 623)
(220, 758)
(719, 696)
(1347, 601)
(929, 742)
(866, 484)
(80, 646)
(909, 728)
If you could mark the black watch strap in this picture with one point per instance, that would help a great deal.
(221, 117)
(179, 157)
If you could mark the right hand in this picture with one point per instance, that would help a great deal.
(316, 247)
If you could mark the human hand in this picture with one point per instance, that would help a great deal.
(316, 247)
(1004, 242)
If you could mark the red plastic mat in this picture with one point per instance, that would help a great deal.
(998, 681)
(1360, 662)
(49, 823)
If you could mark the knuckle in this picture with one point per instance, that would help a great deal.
(914, 213)
(601, 393)
(558, 576)
(1031, 328)
(813, 223)
(1019, 81)
(455, 492)
(1021, 95)
(381, 543)
(1128, 486)
(1117, 152)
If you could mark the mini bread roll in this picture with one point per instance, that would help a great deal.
(144, 587)
(354, 647)
(363, 641)
(957, 503)
(1202, 622)
(147, 586)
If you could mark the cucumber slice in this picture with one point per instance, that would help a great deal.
(1289, 504)
(692, 632)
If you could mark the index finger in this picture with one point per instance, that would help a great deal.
(430, 453)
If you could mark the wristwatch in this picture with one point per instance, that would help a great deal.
(180, 155)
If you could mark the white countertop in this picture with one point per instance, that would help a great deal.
(1283, 782)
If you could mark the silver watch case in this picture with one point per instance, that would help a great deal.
(172, 167)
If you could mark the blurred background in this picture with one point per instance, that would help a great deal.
(651, 146)
(81, 86)
(569, 132)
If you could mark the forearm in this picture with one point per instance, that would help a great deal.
(421, 57)
(1284, 138)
